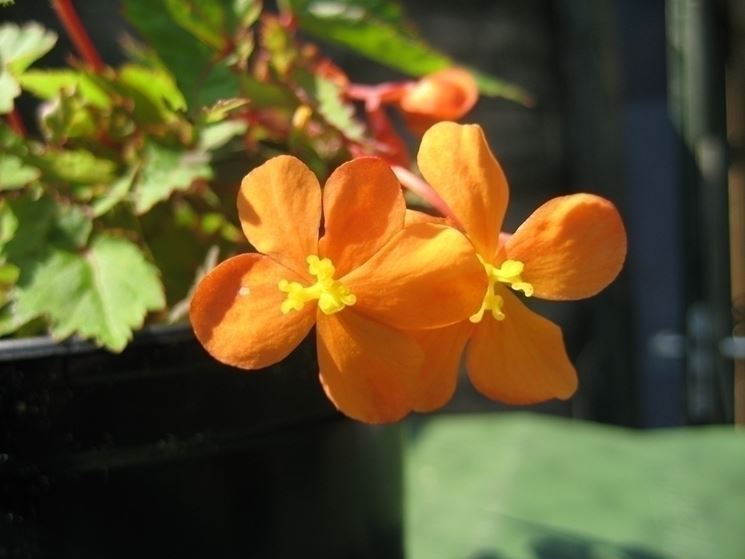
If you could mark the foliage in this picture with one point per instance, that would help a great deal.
(126, 186)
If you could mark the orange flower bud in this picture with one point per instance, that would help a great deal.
(445, 95)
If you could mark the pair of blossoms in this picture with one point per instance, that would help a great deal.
(397, 296)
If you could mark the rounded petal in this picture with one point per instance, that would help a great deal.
(235, 313)
(279, 205)
(438, 375)
(572, 247)
(366, 368)
(521, 359)
(456, 160)
(427, 276)
(363, 208)
(445, 95)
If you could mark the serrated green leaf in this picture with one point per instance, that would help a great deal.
(217, 135)
(9, 90)
(34, 224)
(156, 96)
(222, 109)
(164, 171)
(205, 19)
(68, 116)
(190, 61)
(14, 173)
(377, 30)
(12, 319)
(101, 294)
(21, 46)
(114, 193)
(331, 104)
(76, 166)
(47, 84)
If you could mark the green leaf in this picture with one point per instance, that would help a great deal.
(376, 29)
(68, 116)
(19, 48)
(114, 193)
(331, 105)
(76, 166)
(190, 61)
(164, 171)
(14, 173)
(205, 19)
(103, 293)
(156, 96)
(9, 90)
(222, 109)
(22, 46)
(217, 135)
(279, 43)
(47, 84)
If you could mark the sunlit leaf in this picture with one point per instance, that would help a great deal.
(47, 84)
(222, 109)
(165, 171)
(102, 293)
(331, 105)
(14, 173)
(76, 166)
(21, 46)
(114, 193)
(216, 135)
(205, 19)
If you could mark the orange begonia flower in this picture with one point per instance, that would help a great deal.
(445, 95)
(362, 283)
(570, 248)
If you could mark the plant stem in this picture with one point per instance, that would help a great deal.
(16, 123)
(419, 187)
(77, 33)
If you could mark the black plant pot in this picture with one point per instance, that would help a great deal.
(162, 452)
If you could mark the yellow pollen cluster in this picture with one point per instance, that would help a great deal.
(332, 295)
(508, 272)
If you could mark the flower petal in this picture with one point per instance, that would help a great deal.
(521, 359)
(438, 375)
(572, 247)
(236, 315)
(456, 160)
(279, 205)
(444, 95)
(427, 276)
(366, 368)
(363, 208)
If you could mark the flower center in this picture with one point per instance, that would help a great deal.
(332, 295)
(508, 272)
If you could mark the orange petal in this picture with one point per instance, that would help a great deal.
(279, 205)
(363, 208)
(427, 276)
(236, 315)
(445, 95)
(521, 359)
(366, 368)
(415, 216)
(438, 375)
(456, 160)
(572, 247)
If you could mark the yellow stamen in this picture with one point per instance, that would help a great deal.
(508, 272)
(332, 295)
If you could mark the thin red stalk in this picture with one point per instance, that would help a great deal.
(16, 123)
(419, 187)
(77, 33)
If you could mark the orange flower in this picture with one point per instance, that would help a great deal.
(570, 248)
(445, 95)
(366, 279)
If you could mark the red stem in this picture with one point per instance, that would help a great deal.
(419, 187)
(77, 33)
(16, 123)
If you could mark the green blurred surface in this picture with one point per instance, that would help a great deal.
(521, 486)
